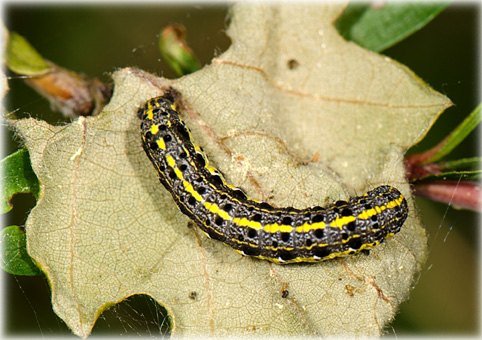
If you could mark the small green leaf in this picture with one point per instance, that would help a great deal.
(464, 163)
(176, 52)
(473, 175)
(22, 58)
(17, 177)
(379, 28)
(15, 259)
(457, 136)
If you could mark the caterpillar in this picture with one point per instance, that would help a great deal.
(252, 228)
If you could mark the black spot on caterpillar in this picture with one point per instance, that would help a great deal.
(252, 228)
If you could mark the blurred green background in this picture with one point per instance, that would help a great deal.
(96, 40)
